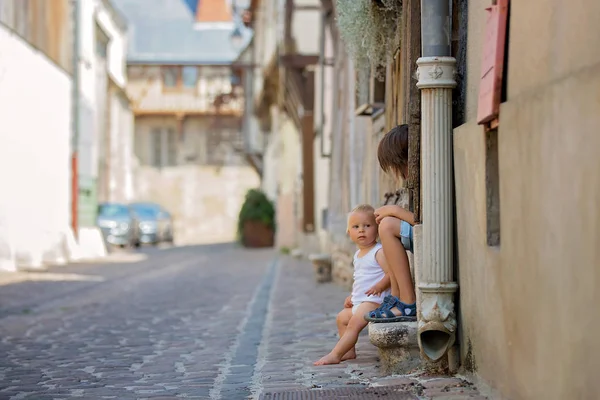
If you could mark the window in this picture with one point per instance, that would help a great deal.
(170, 77)
(189, 77)
(370, 92)
(378, 86)
(156, 147)
(163, 147)
(171, 147)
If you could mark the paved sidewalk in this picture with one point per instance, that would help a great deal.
(300, 328)
(212, 322)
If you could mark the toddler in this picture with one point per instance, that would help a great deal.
(370, 285)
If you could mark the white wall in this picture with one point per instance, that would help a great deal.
(35, 109)
(117, 47)
(307, 40)
(121, 161)
(322, 144)
(88, 138)
(119, 169)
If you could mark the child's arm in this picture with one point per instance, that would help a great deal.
(395, 211)
(385, 282)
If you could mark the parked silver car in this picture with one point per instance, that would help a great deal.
(118, 224)
(155, 223)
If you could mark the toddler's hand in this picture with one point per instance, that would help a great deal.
(348, 302)
(374, 291)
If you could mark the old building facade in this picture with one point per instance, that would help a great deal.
(188, 109)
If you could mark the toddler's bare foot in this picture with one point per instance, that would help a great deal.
(328, 359)
(350, 355)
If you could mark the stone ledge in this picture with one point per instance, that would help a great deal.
(397, 346)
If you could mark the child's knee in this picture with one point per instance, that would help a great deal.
(357, 323)
(389, 226)
(343, 316)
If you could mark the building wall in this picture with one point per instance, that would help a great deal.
(105, 128)
(186, 184)
(121, 149)
(325, 78)
(527, 306)
(340, 201)
(119, 164)
(270, 184)
(149, 94)
(289, 199)
(45, 24)
(35, 153)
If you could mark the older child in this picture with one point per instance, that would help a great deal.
(395, 232)
(370, 285)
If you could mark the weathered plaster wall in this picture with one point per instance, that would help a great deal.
(34, 155)
(205, 201)
(528, 306)
(289, 201)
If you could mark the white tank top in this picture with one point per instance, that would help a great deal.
(367, 272)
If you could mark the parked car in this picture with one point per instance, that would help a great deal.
(155, 223)
(118, 224)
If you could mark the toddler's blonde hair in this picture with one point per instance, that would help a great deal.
(364, 208)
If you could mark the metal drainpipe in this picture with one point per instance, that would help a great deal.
(436, 79)
(75, 120)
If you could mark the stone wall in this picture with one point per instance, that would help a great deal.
(205, 201)
(342, 252)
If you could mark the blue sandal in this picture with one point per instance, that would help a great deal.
(388, 302)
(384, 312)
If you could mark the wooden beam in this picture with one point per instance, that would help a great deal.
(190, 113)
(298, 60)
(327, 5)
(413, 29)
(308, 172)
(307, 7)
(287, 28)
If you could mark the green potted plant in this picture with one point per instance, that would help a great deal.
(256, 221)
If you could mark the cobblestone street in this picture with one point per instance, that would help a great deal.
(206, 322)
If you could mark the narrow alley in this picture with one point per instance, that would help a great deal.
(204, 322)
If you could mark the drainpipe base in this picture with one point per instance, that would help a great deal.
(437, 320)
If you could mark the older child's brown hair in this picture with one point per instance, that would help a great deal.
(393, 151)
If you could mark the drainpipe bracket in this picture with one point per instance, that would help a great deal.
(436, 73)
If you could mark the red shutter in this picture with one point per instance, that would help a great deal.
(492, 65)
